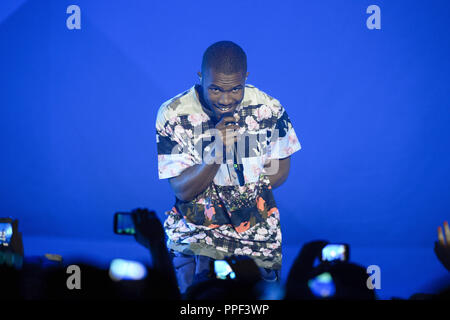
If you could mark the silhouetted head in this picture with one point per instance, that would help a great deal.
(332, 281)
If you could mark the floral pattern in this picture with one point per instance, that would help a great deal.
(226, 218)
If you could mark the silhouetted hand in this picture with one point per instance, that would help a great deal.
(310, 251)
(297, 281)
(149, 230)
(16, 239)
(442, 246)
(245, 268)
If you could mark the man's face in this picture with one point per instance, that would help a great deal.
(221, 92)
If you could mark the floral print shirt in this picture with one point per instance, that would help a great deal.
(226, 218)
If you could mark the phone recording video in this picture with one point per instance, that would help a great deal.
(123, 223)
(121, 269)
(6, 232)
(335, 252)
(222, 270)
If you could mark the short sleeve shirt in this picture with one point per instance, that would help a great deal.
(226, 218)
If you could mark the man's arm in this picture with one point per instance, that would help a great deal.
(193, 180)
(282, 173)
(197, 178)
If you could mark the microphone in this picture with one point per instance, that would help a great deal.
(238, 166)
(237, 159)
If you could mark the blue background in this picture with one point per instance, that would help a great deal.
(370, 108)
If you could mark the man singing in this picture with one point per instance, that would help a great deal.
(224, 145)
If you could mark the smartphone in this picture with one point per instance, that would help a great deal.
(121, 269)
(322, 286)
(123, 223)
(222, 270)
(335, 252)
(6, 232)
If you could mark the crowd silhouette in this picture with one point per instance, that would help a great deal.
(46, 277)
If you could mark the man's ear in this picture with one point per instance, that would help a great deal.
(199, 75)
(246, 75)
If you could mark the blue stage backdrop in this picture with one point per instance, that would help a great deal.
(370, 108)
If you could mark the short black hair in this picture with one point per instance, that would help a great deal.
(224, 57)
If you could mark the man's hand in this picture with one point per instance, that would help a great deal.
(149, 230)
(195, 179)
(228, 131)
(442, 246)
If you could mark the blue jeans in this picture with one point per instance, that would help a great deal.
(190, 267)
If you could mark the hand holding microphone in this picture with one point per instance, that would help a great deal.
(229, 131)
